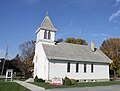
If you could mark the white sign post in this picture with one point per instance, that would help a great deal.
(9, 74)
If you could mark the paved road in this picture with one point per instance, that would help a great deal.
(99, 88)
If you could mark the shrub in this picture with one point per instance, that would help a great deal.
(41, 80)
(67, 81)
(63, 80)
(36, 79)
(73, 81)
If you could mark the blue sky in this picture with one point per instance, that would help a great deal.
(92, 20)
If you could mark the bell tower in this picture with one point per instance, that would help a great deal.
(46, 31)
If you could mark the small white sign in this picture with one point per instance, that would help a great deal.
(57, 80)
(9, 74)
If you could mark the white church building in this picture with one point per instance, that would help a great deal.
(80, 62)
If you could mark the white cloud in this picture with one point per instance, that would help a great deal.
(115, 16)
(30, 1)
(81, 3)
(116, 28)
(102, 34)
(117, 2)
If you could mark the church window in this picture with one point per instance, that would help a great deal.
(85, 67)
(77, 67)
(49, 35)
(45, 35)
(68, 67)
(92, 68)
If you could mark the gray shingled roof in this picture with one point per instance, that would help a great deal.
(47, 24)
(74, 52)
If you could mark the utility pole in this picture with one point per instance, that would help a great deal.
(6, 54)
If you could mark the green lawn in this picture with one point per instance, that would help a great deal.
(85, 84)
(11, 86)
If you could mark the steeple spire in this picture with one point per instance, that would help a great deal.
(46, 31)
(47, 24)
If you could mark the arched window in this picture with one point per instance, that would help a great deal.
(45, 35)
(49, 35)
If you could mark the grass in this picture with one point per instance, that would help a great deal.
(85, 84)
(11, 86)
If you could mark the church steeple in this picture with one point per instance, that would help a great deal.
(46, 31)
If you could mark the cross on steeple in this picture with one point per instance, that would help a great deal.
(47, 13)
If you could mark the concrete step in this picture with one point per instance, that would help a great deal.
(30, 80)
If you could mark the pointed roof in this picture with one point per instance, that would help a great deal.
(47, 24)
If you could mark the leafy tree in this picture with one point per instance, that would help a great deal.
(17, 62)
(70, 40)
(111, 47)
(9, 64)
(27, 50)
(76, 41)
(80, 41)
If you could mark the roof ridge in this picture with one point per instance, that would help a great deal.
(72, 44)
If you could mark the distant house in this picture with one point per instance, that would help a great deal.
(80, 62)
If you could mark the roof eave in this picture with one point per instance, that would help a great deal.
(54, 30)
(49, 29)
(75, 60)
